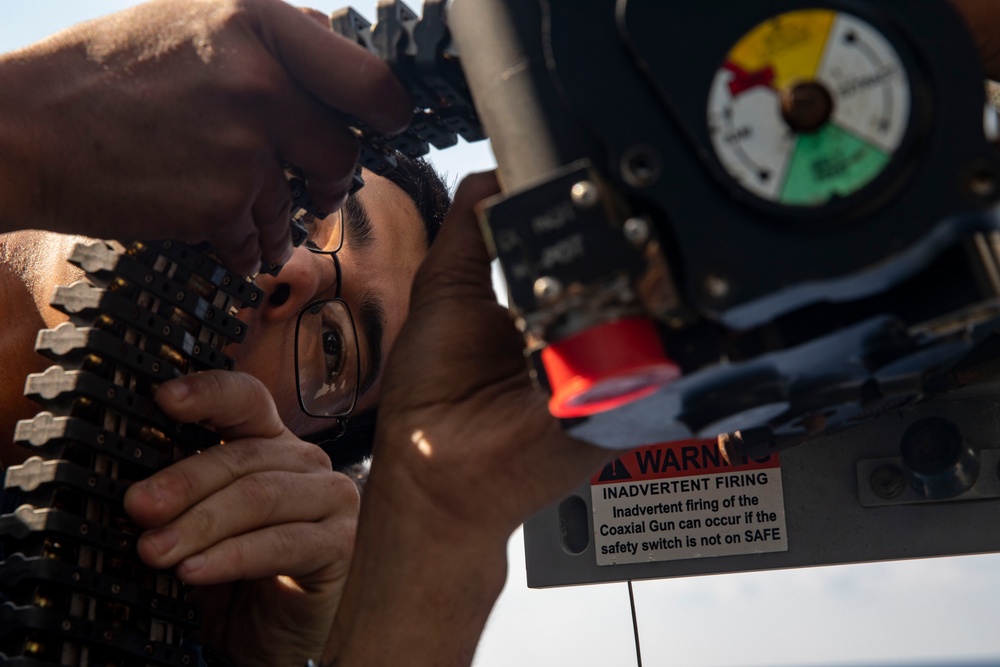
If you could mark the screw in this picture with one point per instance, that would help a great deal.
(716, 286)
(584, 194)
(887, 481)
(547, 288)
(636, 230)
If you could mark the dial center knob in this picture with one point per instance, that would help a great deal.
(806, 106)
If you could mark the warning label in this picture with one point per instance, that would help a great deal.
(682, 500)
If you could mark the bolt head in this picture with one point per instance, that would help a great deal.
(584, 194)
(547, 287)
(636, 230)
(887, 481)
(716, 286)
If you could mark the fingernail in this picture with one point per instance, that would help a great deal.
(151, 490)
(162, 540)
(192, 564)
(177, 390)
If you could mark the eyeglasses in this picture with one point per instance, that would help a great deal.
(327, 358)
(323, 235)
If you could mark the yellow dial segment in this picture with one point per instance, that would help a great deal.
(791, 45)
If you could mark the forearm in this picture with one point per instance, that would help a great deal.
(19, 190)
(421, 587)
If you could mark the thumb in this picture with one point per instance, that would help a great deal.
(458, 264)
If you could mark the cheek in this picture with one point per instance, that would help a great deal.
(271, 359)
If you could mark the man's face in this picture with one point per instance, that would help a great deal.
(377, 271)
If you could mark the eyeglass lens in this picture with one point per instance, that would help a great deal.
(327, 359)
(326, 235)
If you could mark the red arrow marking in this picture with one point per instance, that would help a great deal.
(744, 81)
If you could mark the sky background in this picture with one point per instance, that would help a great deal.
(939, 610)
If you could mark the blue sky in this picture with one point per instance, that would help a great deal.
(891, 613)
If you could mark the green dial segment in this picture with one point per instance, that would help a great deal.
(829, 163)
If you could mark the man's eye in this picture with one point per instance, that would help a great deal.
(333, 348)
(332, 343)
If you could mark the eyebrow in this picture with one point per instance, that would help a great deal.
(371, 317)
(359, 229)
(371, 314)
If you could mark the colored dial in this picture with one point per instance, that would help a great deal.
(809, 106)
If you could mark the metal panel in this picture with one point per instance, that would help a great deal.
(825, 513)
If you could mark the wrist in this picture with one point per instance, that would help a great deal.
(421, 585)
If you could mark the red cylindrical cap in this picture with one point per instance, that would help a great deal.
(606, 366)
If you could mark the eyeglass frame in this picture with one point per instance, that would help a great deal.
(311, 247)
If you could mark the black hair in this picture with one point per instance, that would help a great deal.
(422, 184)
(417, 178)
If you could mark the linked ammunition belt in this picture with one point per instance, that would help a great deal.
(420, 52)
(76, 591)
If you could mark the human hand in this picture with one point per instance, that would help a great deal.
(983, 19)
(460, 421)
(465, 451)
(173, 119)
(260, 525)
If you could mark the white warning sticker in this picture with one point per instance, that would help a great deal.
(682, 500)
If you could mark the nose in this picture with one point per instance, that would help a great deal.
(307, 277)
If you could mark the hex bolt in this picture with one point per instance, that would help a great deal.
(584, 194)
(547, 288)
(636, 230)
(937, 459)
(887, 481)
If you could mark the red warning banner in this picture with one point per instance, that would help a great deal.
(682, 458)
